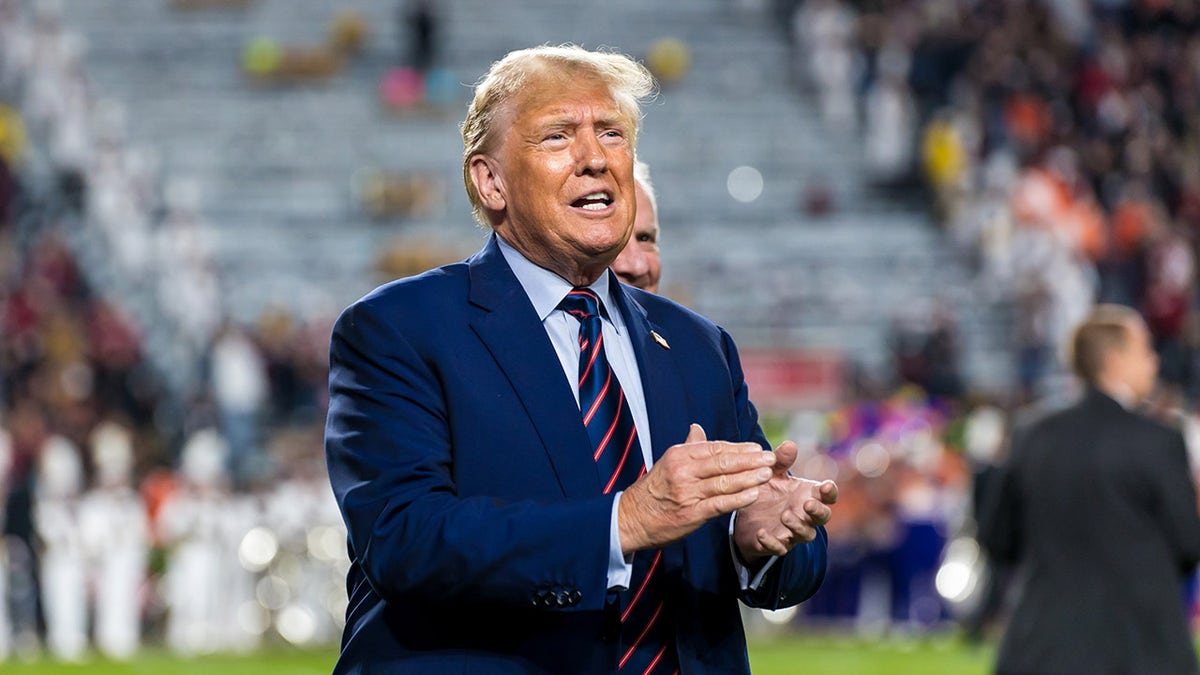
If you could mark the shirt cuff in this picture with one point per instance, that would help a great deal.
(620, 570)
(748, 583)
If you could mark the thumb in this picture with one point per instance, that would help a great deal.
(785, 454)
(695, 434)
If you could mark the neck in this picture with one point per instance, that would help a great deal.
(1118, 391)
(576, 276)
(574, 272)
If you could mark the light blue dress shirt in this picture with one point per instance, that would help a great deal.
(545, 290)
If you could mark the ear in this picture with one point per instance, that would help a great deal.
(488, 183)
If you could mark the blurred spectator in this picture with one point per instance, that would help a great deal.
(60, 530)
(1168, 301)
(925, 352)
(239, 389)
(191, 523)
(419, 21)
(116, 542)
(1035, 350)
(941, 356)
(824, 31)
(890, 124)
(1097, 102)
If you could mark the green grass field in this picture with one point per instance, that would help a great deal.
(825, 655)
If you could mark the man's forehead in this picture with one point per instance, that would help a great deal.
(543, 100)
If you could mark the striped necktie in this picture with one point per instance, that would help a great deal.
(647, 642)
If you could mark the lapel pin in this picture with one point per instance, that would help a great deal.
(662, 341)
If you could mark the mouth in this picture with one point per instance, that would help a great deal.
(594, 201)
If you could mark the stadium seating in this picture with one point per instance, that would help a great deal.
(277, 167)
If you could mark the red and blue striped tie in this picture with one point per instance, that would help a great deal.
(647, 642)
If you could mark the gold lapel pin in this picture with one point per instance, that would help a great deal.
(662, 341)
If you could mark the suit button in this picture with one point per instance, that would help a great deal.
(547, 598)
(575, 597)
(563, 599)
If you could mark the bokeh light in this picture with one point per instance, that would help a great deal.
(745, 184)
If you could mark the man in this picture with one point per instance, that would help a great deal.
(1098, 505)
(639, 265)
(518, 443)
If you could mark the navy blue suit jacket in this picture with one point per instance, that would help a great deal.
(478, 534)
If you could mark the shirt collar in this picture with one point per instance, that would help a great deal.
(546, 289)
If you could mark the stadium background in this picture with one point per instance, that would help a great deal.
(897, 208)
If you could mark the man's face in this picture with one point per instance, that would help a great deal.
(1137, 361)
(639, 265)
(561, 173)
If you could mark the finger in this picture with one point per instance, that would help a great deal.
(799, 523)
(706, 449)
(727, 461)
(785, 455)
(721, 504)
(818, 513)
(828, 492)
(770, 543)
(731, 483)
(695, 434)
(800, 528)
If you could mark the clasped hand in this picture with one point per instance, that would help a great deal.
(700, 479)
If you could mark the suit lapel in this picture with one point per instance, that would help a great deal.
(663, 387)
(509, 327)
(662, 384)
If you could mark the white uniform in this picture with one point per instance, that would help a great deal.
(191, 523)
(117, 537)
(57, 520)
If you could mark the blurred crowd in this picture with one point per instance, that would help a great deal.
(1056, 142)
(171, 491)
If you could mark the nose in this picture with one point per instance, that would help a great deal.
(590, 157)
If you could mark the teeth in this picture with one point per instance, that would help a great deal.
(597, 195)
(594, 206)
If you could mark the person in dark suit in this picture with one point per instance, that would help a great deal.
(1096, 503)
(518, 442)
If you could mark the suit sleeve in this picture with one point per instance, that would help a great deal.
(1177, 503)
(797, 575)
(390, 457)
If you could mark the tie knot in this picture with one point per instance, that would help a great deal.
(581, 303)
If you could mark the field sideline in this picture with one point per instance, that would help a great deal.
(934, 656)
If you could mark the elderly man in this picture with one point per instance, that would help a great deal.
(1098, 504)
(518, 442)
(639, 265)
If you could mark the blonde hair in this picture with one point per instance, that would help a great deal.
(1104, 330)
(627, 80)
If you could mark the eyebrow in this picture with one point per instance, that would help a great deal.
(554, 121)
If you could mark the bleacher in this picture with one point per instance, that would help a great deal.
(277, 167)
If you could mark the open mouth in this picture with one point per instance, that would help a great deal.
(595, 201)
